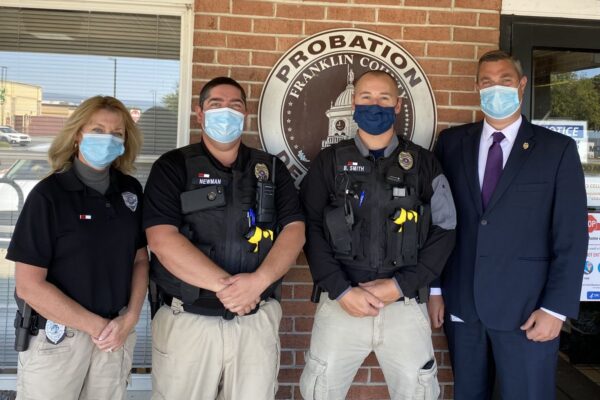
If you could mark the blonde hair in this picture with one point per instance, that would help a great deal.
(64, 147)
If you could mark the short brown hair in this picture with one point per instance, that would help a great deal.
(498, 55)
(378, 73)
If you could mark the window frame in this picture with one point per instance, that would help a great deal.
(182, 8)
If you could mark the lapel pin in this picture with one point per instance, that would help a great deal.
(525, 146)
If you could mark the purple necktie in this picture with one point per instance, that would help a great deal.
(493, 169)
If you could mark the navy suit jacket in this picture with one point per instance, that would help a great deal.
(528, 248)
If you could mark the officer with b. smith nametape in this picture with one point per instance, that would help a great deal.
(380, 226)
(224, 225)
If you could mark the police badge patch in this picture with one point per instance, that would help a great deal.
(131, 200)
(405, 159)
(261, 172)
(55, 333)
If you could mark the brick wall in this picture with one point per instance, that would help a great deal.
(244, 39)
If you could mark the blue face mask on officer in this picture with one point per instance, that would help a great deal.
(223, 125)
(499, 101)
(101, 149)
(374, 119)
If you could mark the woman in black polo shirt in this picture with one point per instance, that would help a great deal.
(81, 259)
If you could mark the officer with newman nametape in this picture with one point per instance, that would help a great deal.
(224, 224)
(381, 221)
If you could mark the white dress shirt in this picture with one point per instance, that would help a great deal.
(510, 134)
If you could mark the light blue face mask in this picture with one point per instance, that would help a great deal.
(101, 149)
(499, 101)
(223, 125)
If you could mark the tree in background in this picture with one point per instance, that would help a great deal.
(577, 99)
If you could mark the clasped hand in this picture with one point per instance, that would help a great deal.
(241, 292)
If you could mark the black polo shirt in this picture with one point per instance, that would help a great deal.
(86, 240)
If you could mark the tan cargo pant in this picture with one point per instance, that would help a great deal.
(196, 357)
(73, 369)
(400, 336)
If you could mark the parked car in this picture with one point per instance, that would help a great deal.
(9, 135)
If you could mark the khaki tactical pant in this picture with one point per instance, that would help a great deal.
(200, 357)
(400, 336)
(73, 369)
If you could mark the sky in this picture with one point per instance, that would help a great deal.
(72, 78)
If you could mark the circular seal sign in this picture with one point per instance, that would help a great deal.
(306, 102)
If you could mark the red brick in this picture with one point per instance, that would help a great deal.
(207, 6)
(445, 375)
(300, 12)
(371, 361)
(209, 39)
(204, 56)
(246, 7)
(289, 375)
(448, 392)
(298, 274)
(251, 42)
(195, 138)
(450, 115)
(464, 99)
(284, 392)
(311, 27)
(286, 357)
(352, 14)
(371, 392)
(379, 2)
(451, 50)
(478, 4)
(286, 325)
(377, 375)
(209, 71)
(481, 50)
(251, 104)
(279, 26)
(254, 89)
(233, 57)
(468, 68)
(417, 49)
(303, 308)
(426, 33)
(203, 21)
(252, 140)
(452, 18)
(476, 35)
(253, 126)
(302, 292)
(300, 357)
(428, 3)
(303, 324)
(235, 24)
(435, 67)
(301, 260)
(252, 73)
(362, 375)
(491, 20)
(402, 16)
(452, 83)
(393, 32)
(295, 341)
(441, 98)
(287, 292)
(284, 43)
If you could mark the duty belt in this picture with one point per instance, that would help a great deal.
(38, 322)
(207, 307)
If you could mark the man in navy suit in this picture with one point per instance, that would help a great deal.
(516, 271)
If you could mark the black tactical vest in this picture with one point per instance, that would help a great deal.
(220, 218)
(376, 219)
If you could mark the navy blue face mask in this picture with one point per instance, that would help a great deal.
(373, 118)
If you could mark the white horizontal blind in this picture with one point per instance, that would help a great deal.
(50, 61)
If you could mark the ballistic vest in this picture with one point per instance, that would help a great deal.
(222, 220)
(376, 220)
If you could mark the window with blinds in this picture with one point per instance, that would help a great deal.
(52, 60)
